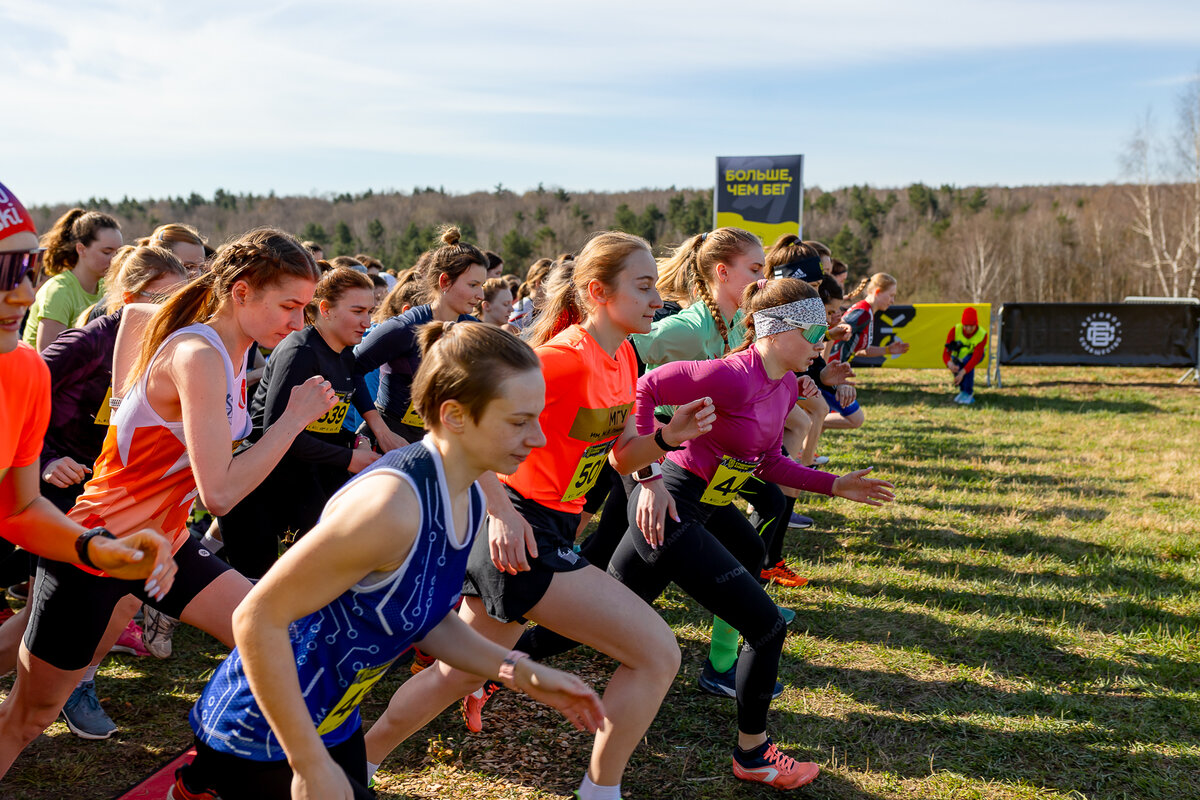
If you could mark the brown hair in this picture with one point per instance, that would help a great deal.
(493, 260)
(768, 294)
(537, 273)
(313, 248)
(408, 291)
(822, 250)
(261, 258)
(601, 259)
(74, 227)
(789, 248)
(513, 282)
(369, 261)
(136, 266)
(829, 290)
(880, 281)
(172, 233)
(838, 267)
(467, 362)
(333, 284)
(452, 259)
(691, 270)
(490, 288)
(346, 262)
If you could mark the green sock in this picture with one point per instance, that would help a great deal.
(723, 652)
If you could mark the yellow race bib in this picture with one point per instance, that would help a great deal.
(355, 692)
(411, 417)
(331, 421)
(104, 413)
(727, 481)
(587, 471)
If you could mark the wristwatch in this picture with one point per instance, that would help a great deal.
(81, 544)
(662, 443)
(508, 668)
(650, 472)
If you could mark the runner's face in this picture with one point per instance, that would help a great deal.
(192, 256)
(743, 270)
(798, 352)
(883, 299)
(634, 299)
(347, 320)
(496, 312)
(833, 312)
(466, 292)
(95, 257)
(12, 309)
(271, 313)
(508, 430)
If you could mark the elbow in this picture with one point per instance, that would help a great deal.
(218, 503)
(243, 622)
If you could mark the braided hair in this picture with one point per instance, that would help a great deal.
(694, 265)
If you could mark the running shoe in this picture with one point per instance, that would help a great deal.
(130, 641)
(800, 521)
(820, 461)
(724, 684)
(787, 614)
(180, 790)
(958, 398)
(782, 574)
(472, 705)
(159, 630)
(84, 716)
(19, 591)
(968, 399)
(767, 765)
(421, 661)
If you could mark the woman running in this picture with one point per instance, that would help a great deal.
(171, 439)
(590, 374)
(79, 249)
(407, 523)
(323, 457)
(496, 304)
(753, 389)
(453, 274)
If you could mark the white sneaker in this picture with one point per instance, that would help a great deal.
(157, 632)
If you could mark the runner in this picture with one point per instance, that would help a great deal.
(171, 438)
(753, 390)
(590, 374)
(453, 275)
(79, 249)
(496, 304)
(323, 457)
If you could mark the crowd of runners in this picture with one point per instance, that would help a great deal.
(426, 448)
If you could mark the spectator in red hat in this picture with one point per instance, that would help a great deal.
(966, 344)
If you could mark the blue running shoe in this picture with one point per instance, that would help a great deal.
(84, 716)
(724, 684)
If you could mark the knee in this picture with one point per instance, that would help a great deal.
(662, 656)
(819, 408)
(25, 721)
(769, 637)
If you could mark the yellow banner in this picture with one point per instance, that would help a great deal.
(924, 327)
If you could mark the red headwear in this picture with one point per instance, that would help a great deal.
(970, 317)
(13, 216)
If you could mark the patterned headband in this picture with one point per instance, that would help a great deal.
(787, 317)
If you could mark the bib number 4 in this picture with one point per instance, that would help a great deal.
(727, 481)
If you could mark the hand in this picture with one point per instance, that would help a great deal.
(808, 387)
(323, 780)
(388, 440)
(690, 420)
(838, 332)
(310, 400)
(362, 457)
(577, 701)
(64, 472)
(837, 373)
(653, 505)
(897, 348)
(145, 554)
(861, 489)
(509, 535)
(845, 394)
(958, 377)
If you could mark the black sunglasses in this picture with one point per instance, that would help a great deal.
(14, 266)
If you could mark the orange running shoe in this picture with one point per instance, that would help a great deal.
(782, 574)
(420, 661)
(767, 765)
(472, 706)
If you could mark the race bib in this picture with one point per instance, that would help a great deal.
(411, 417)
(104, 413)
(331, 421)
(355, 692)
(587, 471)
(727, 481)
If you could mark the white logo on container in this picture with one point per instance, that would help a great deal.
(1100, 333)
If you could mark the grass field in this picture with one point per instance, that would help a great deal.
(1021, 623)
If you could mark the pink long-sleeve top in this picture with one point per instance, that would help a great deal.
(751, 409)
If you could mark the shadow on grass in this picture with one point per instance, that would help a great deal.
(907, 395)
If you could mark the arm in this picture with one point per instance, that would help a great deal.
(390, 340)
(347, 544)
(632, 451)
(48, 330)
(197, 373)
(675, 338)
(976, 355)
(509, 535)
(72, 358)
(946, 350)
(680, 383)
(291, 366)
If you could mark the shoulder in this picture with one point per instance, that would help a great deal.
(24, 361)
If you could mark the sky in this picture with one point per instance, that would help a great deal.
(146, 99)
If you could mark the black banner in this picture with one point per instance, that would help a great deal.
(1099, 334)
(760, 194)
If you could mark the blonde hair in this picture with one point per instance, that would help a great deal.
(879, 282)
(491, 287)
(691, 270)
(602, 259)
(172, 233)
(134, 267)
(408, 291)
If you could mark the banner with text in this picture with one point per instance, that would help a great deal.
(761, 194)
(1099, 334)
(925, 327)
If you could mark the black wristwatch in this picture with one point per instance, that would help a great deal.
(662, 443)
(81, 544)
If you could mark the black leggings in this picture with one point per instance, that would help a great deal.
(772, 513)
(714, 555)
(235, 778)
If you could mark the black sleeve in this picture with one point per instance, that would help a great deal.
(814, 372)
(386, 343)
(290, 367)
(361, 400)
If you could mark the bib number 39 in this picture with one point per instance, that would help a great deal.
(587, 471)
(731, 474)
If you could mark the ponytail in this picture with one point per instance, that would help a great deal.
(74, 227)
(880, 282)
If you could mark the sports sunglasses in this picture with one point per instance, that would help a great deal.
(14, 266)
